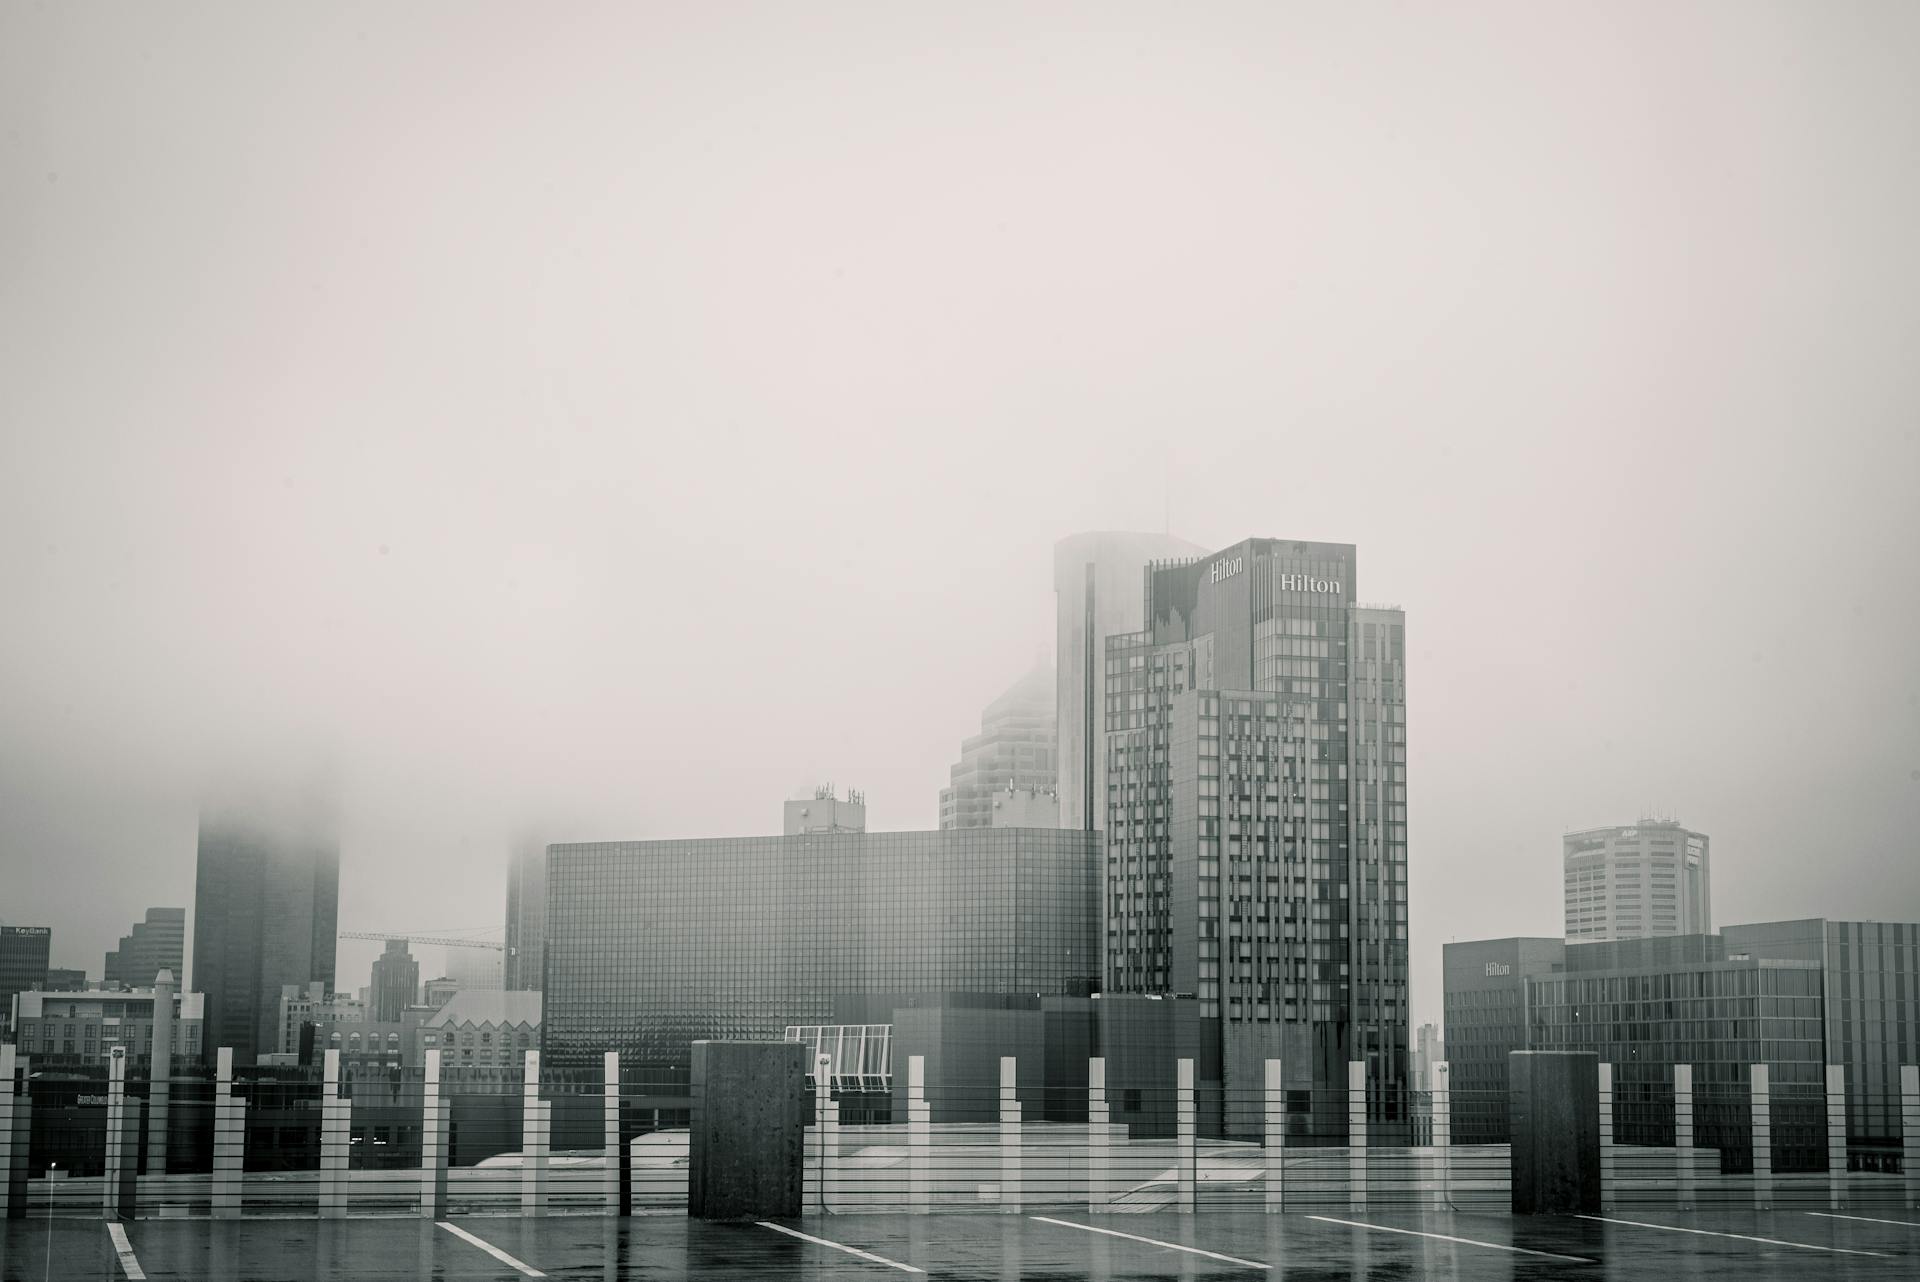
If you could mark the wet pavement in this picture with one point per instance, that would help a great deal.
(1752, 1247)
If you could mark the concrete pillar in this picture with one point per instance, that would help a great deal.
(1683, 1136)
(610, 1132)
(1553, 1108)
(1760, 1110)
(1836, 1137)
(160, 1074)
(335, 1140)
(535, 1129)
(1273, 1136)
(117, 1156)
(1606, 1137)
(1010, 1192)
(1357, 1134)
(229, 1139)
(747, 1149)
(1442, 1097)
(1099, 1140)
(1910, 1131)
(919, 1136)
(433, 1141)
(1186, 1136)
(12, 1204)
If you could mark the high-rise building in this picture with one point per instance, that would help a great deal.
(265, 913)
(1256, 832)
(652, 945)
(1098, 588)
(476, 969)
(396, 983)
(155, 944)
(23, 963)
(526, 914)
(1016, 752)
(1637, 882)
(1427, 1051)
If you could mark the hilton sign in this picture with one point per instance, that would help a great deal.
(1307, 583)
(1498, 968)
(1225, 568)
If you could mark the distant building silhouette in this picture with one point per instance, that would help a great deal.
(1640, 881)
(396, 983)
(266, 909)
(1016, 752)
(526, 914)
(158, 943)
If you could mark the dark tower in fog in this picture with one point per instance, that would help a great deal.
(396, 983)
(266, 901)
(526, 915)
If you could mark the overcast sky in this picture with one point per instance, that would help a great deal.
(619, 418)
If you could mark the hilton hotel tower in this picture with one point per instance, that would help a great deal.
(1256, 821)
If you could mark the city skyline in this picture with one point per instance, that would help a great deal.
(394, 482)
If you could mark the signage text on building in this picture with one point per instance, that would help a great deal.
(1307, 583)
(1225, 568)
(1499, 968)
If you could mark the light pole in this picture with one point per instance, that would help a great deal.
(47, 1272)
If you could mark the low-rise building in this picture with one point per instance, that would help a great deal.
(79, 1029)
(484, 1028)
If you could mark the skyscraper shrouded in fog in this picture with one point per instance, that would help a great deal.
(396, 983)
(1256, 814)
(1640, 881)
(526, 914)
(1016, 752)
(1097, 594)
(265, 914)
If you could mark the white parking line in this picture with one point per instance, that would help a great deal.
(1152, 1241)
(1743, 1237)
(124, 1249)
(1464, 1241)
(838, 1246)
(1866, 1219)
(490, 1249)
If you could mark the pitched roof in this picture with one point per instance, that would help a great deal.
(488, 1006)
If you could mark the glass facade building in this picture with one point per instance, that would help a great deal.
(526, 916)
(1256, 813)
(1871, 987)
(652, 945)
(153, 945)
(24, 951)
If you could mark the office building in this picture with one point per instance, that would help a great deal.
(158, 943)
(62, 979)
(80, 1029)
(311, 1006)
(1638, 882)
(266, 909)
(1484, 1004)
(824, 812)
(526, 915)
(23, 963)
(396, 983)
(440, 991)
(1098, 585)
(1427, 1052)
(1256, 832)
(476, 969)
(1797, 996)
(1870, 984)
(652, 945)
(1014, 755)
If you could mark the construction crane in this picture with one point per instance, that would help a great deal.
(440, 941)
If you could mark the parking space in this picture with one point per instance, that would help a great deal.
(1787, 1246)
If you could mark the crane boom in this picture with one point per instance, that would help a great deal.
(440, 941)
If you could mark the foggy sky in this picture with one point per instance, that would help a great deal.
(618, 418)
